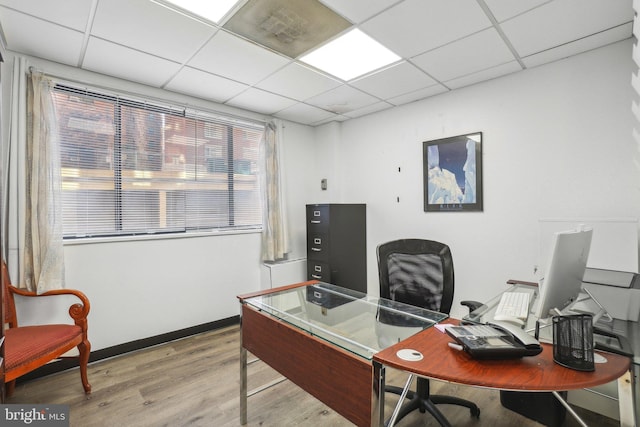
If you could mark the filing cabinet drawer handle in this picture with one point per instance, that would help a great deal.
(315, 276)
(316, 249)
(315, 221)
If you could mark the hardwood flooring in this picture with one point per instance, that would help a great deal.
(195, 382)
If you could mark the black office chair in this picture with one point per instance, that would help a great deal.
(420, 273)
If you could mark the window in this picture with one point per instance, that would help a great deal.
(130, 167)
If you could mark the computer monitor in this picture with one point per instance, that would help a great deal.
(562, 281)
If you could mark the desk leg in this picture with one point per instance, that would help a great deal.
(243, 384)
(377, 395)
(569, 409)
(625, 400)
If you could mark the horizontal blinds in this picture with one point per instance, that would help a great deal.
(132, 167)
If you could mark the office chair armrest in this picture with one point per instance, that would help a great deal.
(472, 305)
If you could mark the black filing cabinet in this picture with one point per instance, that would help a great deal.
(337, 245)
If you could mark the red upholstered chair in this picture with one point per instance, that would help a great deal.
(29, 347)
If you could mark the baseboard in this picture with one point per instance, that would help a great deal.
(117, 350)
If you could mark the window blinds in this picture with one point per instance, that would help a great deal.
(131, 167)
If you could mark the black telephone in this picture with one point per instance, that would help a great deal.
(495, 340)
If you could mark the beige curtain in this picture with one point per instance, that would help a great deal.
(275, 238)
(13, 179)
(43, 261)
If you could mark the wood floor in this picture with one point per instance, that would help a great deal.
(195, 382)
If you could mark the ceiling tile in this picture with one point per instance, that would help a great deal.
(204, 85)
(416, 26)
(378, 106)
(359, 10)
(43, 39)
(115, 60)
(505, 9)
(288, 27)
(342, 100)
(445, 44)
(393, 81)
(298, 82)
(334, 118)
(260, 101)
(243, 61)
(600, 39)
(305, 114)
(69, 13)
(488, 74)
(151, 28)
(417, 95)
(564, 22)
(469, 55)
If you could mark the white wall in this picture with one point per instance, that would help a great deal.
(141, 288)
(557, 144)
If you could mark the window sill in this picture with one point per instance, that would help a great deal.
(168, 236)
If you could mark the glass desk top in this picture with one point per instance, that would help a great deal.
(354, 321)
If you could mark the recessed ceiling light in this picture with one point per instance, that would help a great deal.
(213, 11)
(350, 55)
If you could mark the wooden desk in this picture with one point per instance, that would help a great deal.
(351, 382)
(537, 373)
(323, 339)
(337, 378)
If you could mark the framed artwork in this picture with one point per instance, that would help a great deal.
(453, 173)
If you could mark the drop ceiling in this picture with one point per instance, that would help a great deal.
(444, 45)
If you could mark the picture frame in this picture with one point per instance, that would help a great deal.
(452, 169)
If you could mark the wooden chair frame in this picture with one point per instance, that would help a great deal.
(23, 352)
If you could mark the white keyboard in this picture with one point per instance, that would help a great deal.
(514, 304)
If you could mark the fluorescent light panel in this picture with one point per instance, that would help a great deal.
(350, 55)
(212, 10)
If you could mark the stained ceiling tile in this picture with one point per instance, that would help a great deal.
(288, 27)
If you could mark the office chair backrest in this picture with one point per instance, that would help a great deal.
(417, 272)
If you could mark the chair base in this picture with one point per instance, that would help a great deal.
(423, 401)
